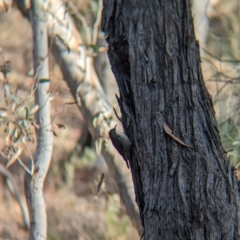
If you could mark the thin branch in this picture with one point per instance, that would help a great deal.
(83, 20)
(97, 22)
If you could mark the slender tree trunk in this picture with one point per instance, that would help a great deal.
(42, 158)
(201, 19)
(78, 71)
(184, 186)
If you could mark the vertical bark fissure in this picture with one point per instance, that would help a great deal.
(182, 192)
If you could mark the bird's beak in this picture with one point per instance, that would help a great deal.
(115, 127)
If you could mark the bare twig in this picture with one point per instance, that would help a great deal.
(14, 190)
(83, 20)
(97, 22)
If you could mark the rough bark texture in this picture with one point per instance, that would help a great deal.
(182, 192)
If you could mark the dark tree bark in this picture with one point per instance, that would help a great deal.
(184, 185)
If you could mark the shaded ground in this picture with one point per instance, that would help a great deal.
(71, 217)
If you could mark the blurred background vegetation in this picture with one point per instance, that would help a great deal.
(75, 209)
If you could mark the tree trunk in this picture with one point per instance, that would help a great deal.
(184, 186)
(201, 19)
(34, 183)
(78, 71)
